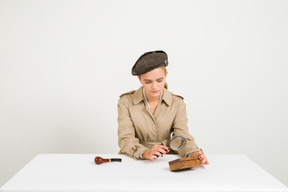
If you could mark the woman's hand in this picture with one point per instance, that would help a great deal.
(155, 152)
(201, 156)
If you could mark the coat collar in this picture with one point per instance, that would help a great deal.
(167, 97)
(138, 97)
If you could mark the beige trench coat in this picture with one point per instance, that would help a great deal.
(139, 129)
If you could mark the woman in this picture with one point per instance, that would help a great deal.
(148, 116)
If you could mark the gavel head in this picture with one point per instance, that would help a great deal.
(98, 160)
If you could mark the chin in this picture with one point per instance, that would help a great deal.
(156, 94)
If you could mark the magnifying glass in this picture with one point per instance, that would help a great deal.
(177, 142)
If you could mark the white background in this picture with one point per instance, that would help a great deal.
(63, 65)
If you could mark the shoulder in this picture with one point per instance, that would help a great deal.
(126, 98)
(171, 94)
(132, 97)
(177, 96)
(171, 98)
(178, 100)
(127, 93)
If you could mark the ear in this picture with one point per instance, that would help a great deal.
(166, 74)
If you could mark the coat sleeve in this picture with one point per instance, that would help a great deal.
(127, 141)
(180, 128)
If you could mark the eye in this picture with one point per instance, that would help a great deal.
(159, 81)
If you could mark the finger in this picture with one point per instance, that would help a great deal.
(154, 157)
(162, 151)
(202, 156)
(205, 161)
(155, 153)
(158, 154)
(164, 147)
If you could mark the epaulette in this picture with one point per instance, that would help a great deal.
(178, 96)
(127, 93)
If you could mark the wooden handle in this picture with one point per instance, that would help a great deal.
(98, 160)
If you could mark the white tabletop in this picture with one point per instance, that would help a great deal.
(78, 172)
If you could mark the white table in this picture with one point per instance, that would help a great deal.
(78, 172)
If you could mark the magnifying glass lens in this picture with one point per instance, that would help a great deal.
(177, 143)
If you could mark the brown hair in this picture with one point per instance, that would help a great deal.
(165, 70)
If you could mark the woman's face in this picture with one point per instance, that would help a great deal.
(153, 82)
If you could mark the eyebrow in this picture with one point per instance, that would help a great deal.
(156, 79)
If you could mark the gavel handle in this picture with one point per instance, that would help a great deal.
(115, 159)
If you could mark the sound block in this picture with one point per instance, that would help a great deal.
(184, 163)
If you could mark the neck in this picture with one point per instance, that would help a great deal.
(152, 99)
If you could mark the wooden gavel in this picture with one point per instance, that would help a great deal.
(98, 160)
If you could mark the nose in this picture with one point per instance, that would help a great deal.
(154, 85)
